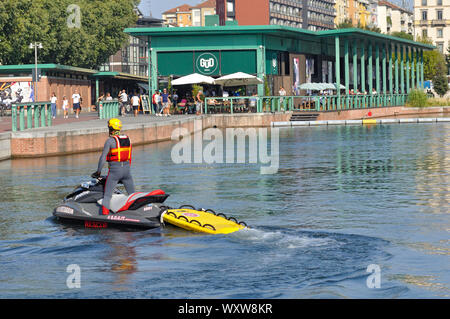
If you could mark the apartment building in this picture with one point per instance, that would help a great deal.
(393, 18)
(189, 16)
(432, 20)
(307, 14)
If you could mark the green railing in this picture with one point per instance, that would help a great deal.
(259, 104)
(108, 109)
(38, 113)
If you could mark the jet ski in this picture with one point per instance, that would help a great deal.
(144, 210)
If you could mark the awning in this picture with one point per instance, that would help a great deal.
(193, 78)
(238, 78)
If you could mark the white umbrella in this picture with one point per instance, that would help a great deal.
(194, 78)
(238, 78)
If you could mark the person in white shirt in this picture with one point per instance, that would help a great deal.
(123, 97)
(65, 107)
(135, 103)
(76, 98)
(53, 100)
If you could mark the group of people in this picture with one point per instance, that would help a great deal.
(134, 100)
(162, 101)
(76, 104)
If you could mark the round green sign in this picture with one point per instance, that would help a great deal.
(207, 63)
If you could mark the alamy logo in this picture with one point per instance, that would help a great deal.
(231, 148)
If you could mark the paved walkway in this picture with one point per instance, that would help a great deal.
(91, 121)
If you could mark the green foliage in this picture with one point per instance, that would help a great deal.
(99, 36)
(440, 83)
(388, 20)
(403, 35)
(417, 98)
(345, 25)
(195, 89)
(433, 64)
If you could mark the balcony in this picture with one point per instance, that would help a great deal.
(436, 23)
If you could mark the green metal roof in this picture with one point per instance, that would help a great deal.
(231, 29)
(274, 30)
(51, 66)
(364, 34)
(120, 75)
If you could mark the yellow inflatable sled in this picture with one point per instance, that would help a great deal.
(203, 221)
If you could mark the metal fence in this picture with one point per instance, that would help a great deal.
(24, 115)
(260, 104)
(108, 109)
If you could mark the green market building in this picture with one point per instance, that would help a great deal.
(360, 60)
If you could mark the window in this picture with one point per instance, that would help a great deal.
(424, 15)
(439, 14)
(440, 46)
(424, 2)
(439, 2)
(424, 33)
(440, 33)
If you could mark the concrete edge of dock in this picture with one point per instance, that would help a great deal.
(360, 122)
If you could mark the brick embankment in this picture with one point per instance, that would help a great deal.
(89, 136)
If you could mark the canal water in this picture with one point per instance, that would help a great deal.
(345, 200)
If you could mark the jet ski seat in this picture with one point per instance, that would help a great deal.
(122, 202)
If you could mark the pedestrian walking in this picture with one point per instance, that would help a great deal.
(53, 100)
(135, 101)
(76, 99)
(65, 107)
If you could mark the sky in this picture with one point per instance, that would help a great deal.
(157, 7)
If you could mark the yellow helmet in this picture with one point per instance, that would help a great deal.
(115, 124)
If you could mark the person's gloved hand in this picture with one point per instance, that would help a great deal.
(95, 175)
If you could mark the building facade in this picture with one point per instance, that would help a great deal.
(286, 56)
(189, 16)
(394, 18)
(312, 15)
(432, 20)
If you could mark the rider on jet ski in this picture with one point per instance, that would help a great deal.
(117, 152)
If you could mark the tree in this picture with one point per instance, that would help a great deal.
(447, 59)
(99, 35)
(440, 83)
(403, 35)
(433, 64)
(347, 23)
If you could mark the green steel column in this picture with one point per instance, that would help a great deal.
(417, 68)
(377, 68)
(407, 69)
(413, 61)
(363, 67)
(347, 73)
(370, 72)
(337, 69)
(402, 69)
(153, 71)
(396, 69)
(421, 69)
(260, 67)
(97, 95)
(383, 48)
(355, 66)
(149, 70)
(391, 80)
(14, 118)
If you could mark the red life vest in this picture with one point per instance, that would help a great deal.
(122, 152)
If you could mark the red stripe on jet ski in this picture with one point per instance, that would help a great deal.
(130, 200)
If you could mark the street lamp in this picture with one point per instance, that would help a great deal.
(35, 46)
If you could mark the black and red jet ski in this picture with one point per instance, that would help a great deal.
(84, 205)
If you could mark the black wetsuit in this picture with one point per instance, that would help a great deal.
(118, 172)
